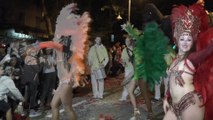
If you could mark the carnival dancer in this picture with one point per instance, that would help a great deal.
(151, 47)
(191, 94)
(127, 62)
(70, 43)
(98, 59)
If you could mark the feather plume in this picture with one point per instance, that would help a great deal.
(76, 26)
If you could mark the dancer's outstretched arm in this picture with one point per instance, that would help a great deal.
(51, 44)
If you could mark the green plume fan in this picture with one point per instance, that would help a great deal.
(149, 52)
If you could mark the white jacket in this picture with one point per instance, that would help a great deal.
(7, 87)
(97, 57)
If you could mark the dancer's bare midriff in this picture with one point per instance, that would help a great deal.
(181, 81)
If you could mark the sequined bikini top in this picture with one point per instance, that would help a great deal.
(173, 70)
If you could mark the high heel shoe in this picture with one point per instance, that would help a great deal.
(136, 112)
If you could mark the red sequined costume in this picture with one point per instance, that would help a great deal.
(202, 58)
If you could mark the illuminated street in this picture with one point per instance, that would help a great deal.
(88, 108)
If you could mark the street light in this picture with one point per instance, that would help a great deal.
(129, 10)
(119, 17)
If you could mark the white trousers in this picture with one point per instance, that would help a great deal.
(97, 87)
(157, 88)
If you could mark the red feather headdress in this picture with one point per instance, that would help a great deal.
(192, 19)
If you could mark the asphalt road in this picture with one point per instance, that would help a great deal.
(88, 108)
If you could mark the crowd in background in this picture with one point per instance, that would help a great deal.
(34, 73)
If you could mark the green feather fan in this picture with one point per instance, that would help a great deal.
(149, 52)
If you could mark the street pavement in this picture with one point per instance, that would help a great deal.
(88, 108)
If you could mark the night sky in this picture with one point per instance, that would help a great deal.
(165, 7)
(108, 16)
(104, 20)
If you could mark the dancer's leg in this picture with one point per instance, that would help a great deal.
(132, 85)
(143, 87)
(124, 94)
(56, 101)
(66, 99)
(195, 111)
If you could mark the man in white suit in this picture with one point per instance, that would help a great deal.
(98, 59)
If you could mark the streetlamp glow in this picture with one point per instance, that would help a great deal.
(119, 17)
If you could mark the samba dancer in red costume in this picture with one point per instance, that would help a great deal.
(191, 94)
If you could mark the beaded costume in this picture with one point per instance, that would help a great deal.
(194, 20)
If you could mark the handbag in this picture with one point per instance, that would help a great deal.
(100, 72)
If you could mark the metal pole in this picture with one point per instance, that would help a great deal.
(129, 10)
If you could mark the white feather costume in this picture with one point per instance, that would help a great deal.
(76, 26)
